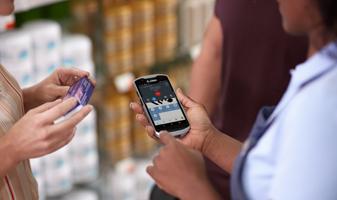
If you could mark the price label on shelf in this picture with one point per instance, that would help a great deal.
(124, 82)
(7, 23)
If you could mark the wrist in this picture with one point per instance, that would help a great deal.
(9, 155)
(210, 137)
(29, 97)
(202, 190)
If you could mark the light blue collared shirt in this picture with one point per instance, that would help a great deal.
(297, 156)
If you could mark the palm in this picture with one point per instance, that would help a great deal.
(200, 125)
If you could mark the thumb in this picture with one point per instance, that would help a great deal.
(185, 100)
(165, 138)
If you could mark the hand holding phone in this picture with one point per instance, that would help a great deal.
(161, 105)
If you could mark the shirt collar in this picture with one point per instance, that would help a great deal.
(319, 62)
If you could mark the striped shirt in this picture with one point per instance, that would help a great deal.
(19, 182)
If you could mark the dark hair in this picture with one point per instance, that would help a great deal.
(328, 10)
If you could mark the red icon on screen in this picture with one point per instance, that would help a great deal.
(157, 93)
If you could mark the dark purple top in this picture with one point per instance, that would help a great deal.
(257, 56)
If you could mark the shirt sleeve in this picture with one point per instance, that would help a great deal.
(307, 164)
(219, 5)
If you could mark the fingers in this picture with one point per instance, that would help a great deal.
(61, 91)
(59, 110)
(185, 100)
(152, 133)
(68, 76)
(137, 108)
(166, 138)
(92, 80)
(150, 170)
(142, 120)
(46, 106)
(72, 121)
(62, 140)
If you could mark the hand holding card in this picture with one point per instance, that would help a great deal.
(81, 90)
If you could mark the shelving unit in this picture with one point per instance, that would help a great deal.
(24, 5)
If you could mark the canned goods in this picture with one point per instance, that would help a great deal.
(165, 7)
(167, 46)
(166, 26)
(143, 35)
(117, 18)
(143, 12)
(117, 42)
(119, 63)
(144, 56)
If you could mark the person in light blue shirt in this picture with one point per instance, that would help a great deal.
(292, 149)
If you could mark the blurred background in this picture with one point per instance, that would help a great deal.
(116, 41)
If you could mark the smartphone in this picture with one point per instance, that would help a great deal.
(161, 105)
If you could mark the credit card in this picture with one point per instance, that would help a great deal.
(82, 91)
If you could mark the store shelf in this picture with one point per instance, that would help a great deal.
(23, 5)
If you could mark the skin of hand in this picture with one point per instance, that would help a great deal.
(53, 87)
(180, 171)
(36, 134)
(7, 7)
(201, 125)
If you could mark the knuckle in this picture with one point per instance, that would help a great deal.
(30, 112)
(156, 161)
(46, 146)
(45, 135)
(163, 151)
(36, 122)
(59, 69)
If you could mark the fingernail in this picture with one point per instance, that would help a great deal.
(91, 107)
(131, 105)
(139, 117)
(72, 100)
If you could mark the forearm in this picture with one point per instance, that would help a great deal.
(7, 155)
(205, 81)
(206, 70)
(221, 149)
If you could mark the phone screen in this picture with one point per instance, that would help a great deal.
(162, 104)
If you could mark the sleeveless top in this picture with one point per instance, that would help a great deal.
(19, 182)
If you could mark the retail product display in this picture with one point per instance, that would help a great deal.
(83, 150)
(16, 54)
(81, 194)
(46, 37)
(118, 39)
(129, 180)
(117, 125)
(58, 172)
(22, 5)
(194, 16)
(166, 29)
(7, 23)
(76, 51)
(143, 34)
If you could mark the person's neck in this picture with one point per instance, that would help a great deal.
(318, 38)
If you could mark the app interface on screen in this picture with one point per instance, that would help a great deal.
(161, 103)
